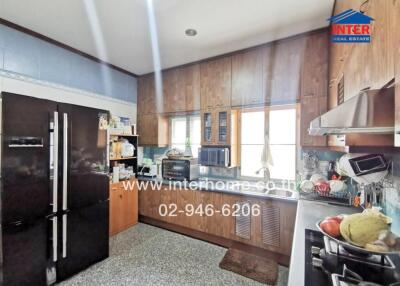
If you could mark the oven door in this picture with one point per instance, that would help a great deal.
(175, 169)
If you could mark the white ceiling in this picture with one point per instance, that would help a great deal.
(223, 26)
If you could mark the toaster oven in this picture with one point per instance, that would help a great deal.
(180, 169)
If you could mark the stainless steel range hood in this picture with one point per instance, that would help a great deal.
(370, 111)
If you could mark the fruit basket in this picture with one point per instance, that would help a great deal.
(351, 247)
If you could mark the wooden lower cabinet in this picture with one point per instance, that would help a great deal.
(123, 207)
(271, 229)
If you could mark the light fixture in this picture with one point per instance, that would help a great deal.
(191, 32)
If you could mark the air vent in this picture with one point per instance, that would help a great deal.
(243, 222)
(340, 91)
(271, 225)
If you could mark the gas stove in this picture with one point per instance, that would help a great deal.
(328, 263)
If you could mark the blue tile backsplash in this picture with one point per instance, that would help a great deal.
(23, 54)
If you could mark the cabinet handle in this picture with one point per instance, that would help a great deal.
(120, 196)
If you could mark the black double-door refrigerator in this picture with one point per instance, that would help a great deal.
(54, 190)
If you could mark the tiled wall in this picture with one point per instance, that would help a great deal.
(26, 55)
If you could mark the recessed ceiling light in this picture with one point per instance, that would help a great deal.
(191, 32)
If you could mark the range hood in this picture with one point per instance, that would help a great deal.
(371, 111)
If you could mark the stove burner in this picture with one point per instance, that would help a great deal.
(333, 248)
(328, 263)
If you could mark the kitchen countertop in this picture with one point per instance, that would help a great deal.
(308, 213)
(251, 191)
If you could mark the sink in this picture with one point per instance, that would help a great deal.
(280, 193)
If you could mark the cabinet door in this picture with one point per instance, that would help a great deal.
(247, 78)
(218, 224)
(189, 86)
(215, 83)
(270, 225)
(152, 129)
(285, 69)
(130, 205)
(207, 127)
(174, 98)
(185, 200)
(146, 95)
(314, 80)
(149, 202)
(168, 197)
(223, 125)
(116, 206)
(311, 108)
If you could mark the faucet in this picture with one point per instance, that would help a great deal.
(267, 174)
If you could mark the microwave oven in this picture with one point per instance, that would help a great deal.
(180, 169)
(214, 156)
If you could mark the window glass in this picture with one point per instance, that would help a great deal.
(253, 127)
(282, 126)
(282, 140)
(178, 132)
(284, 159)
(183, 127)
(252, 143)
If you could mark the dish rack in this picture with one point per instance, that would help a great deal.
(344, 197)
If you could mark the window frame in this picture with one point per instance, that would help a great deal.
(266, 110)
(187, 119)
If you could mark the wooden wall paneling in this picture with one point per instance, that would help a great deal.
(247, 78)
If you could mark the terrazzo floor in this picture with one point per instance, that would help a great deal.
(147, 255)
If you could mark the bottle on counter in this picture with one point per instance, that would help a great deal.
(332, 174)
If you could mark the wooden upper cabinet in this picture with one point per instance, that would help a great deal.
(173, 100)
(153, 129)
(311, 108)
(283, 64)
(215, 83)
(189, 86)
(315, 67)
(146, 95)
(247, 78)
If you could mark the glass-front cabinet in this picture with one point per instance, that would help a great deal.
(216, 127)
(223, 127)
(207, 124)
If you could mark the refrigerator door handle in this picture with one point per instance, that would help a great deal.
(55, 242)
(55, 162)
(64, 236)
(65, 162)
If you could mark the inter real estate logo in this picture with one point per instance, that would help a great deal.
(351, 26)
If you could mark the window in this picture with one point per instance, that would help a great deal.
(183, 127)
(282, 143)
(252, 139)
